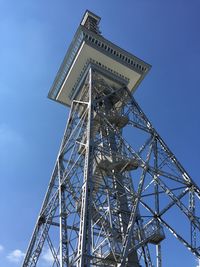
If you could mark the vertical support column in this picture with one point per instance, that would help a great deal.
(158, 256)
(118, 180)
(64, 256)
(133, 217)
(192, 210)
(85, 240)
(157, 208)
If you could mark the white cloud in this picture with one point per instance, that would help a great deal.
(16, 256)
(1, 248)
(47, 256)
(198, 263)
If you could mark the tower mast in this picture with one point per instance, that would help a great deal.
(115, 180)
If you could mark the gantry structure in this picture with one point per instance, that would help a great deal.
(116, 188)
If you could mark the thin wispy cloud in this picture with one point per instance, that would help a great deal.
(10, 139)
(1, 248)
(47, 256)
(198, 263)
(7, 134)
(16, 256)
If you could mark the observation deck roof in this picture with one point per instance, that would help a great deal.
(90, 47)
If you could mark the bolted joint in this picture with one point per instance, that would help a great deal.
(63, 187)
(41, 220)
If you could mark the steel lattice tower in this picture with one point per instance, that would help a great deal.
(116, 188)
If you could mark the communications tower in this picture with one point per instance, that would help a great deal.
(116, 188)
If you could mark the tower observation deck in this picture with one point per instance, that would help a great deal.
(88, 48)
(115, 181)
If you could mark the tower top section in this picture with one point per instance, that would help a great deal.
(91, 22)
(90, 49)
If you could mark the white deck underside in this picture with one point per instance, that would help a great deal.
(85, 53)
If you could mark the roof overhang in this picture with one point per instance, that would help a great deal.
(86, 48)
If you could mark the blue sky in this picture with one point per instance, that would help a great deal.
(34, 37)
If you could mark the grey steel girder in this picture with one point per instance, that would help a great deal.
(115, 187)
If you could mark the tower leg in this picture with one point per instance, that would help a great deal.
(110, 193)
(85, 241)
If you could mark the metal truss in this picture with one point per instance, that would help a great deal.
(115, 188)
